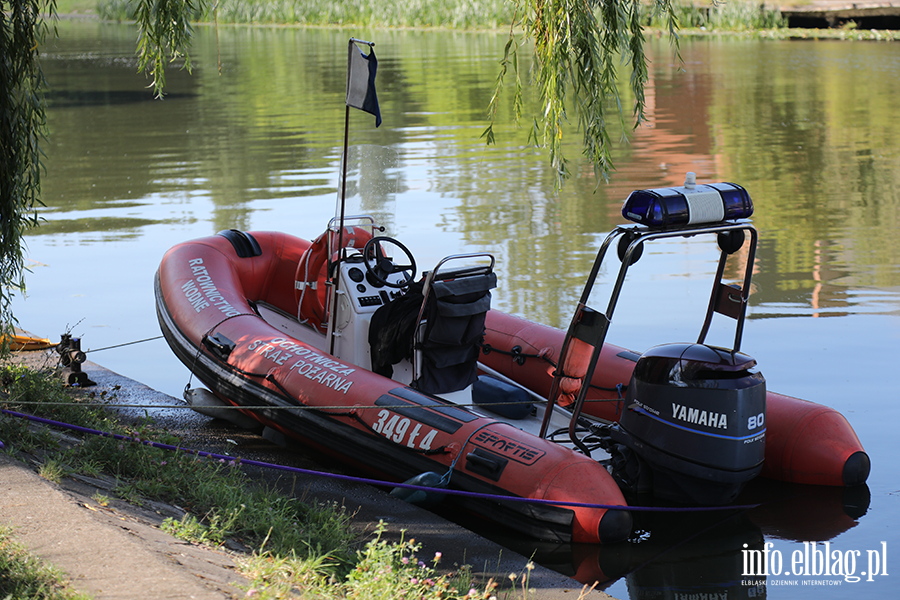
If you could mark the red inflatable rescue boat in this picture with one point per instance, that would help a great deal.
(336, 344)
(228, 309)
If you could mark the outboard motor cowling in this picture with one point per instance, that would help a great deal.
(694, 426)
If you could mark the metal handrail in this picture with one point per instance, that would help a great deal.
(430, 276)
(600, 322)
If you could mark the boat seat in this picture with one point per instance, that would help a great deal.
(451, 327)
(392, 328)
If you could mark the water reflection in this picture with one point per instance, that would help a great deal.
(373, 180)
(782, 119)
(674, 553)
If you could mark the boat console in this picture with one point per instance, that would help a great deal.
(358, 296)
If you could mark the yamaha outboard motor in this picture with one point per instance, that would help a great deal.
(694, 425)
(693, 428)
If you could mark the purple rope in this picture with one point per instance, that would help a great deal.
(376, 482)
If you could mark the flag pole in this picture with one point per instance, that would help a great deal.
(332, 276)
(350, 46)
(332, 272)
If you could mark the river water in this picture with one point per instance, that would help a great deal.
(251, 140)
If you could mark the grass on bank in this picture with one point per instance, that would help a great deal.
(24, 576)
(77, 7)
(220, 500)
(301, 550)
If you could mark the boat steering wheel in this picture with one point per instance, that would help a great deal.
(380, 266)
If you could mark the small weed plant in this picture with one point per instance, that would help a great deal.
(394, 570)
(383, 569)
(52, 470)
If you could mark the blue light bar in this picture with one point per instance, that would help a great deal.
(690, 204)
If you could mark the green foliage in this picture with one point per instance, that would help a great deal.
(190, 529)
(393, 570)
(305, 550)
(117, 10)
(458, 14)
(383, 570)
(23, 125)
(76, 7)
(164, 34)
(275, 576)
(23, 576)
(41, 394)
(726, 15)
(577, 48)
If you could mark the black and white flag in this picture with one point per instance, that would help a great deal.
(361, 69)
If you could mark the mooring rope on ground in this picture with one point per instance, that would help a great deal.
(375, 482)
